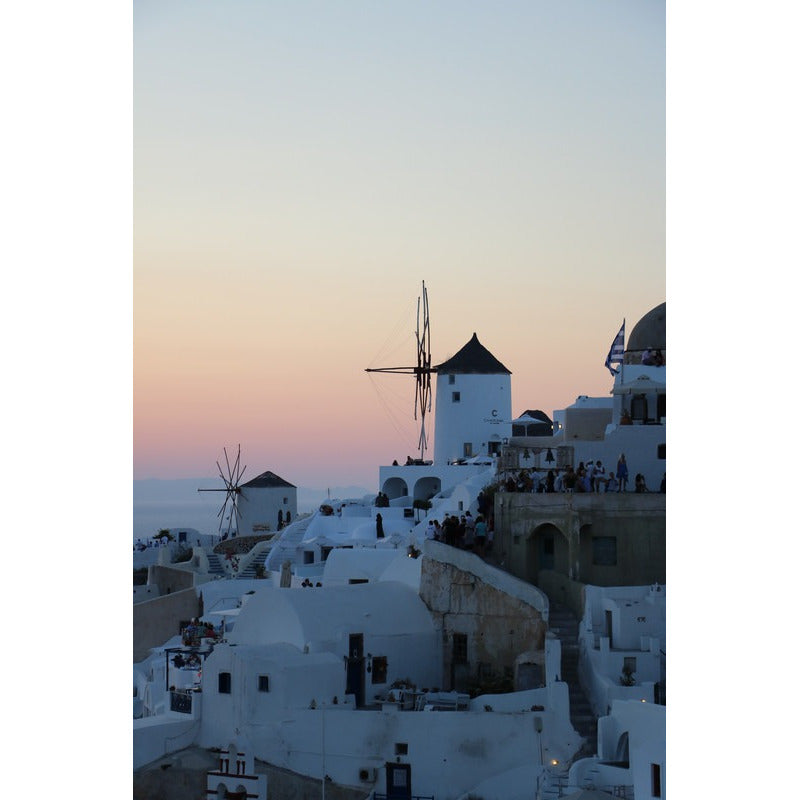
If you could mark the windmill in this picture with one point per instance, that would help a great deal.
(422, 371)
(232, 491)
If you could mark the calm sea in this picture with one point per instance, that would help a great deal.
(161, 504)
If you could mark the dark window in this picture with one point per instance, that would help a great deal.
(263, 683)
(308, 557)
(401, 748)
(639, 407)
(224, 683)
(181, 536)
(456, 397)
(459, 648)
(357, 580)
(285, 500)
(661, 406)
(379, 666)
(655, 777)
(604, 551)
(451, 379)
(662, 451)
(467, 449)
(629, 664)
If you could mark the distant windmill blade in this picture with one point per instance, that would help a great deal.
(232, 489)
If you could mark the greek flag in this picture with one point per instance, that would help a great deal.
(617, 350)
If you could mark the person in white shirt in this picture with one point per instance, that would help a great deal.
(599, 477)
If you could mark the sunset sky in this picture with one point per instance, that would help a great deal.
(294, 171)
(300, 168)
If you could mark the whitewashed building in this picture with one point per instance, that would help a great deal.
(622, 644)
(473, 404)
(631, 753)
(266, 503)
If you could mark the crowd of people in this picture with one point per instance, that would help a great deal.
(466, 532)
(591, 476)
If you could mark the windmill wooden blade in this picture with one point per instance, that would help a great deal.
(423, 369)
(231, 488)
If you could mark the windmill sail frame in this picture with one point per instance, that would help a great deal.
(232, 489)
(422, 371)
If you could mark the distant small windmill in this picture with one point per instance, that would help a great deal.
(232, 491)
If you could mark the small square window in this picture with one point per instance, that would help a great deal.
(263, 683)
(224, 684)
(456, 397)
(604, 551)
(401, 748)
(629, 664)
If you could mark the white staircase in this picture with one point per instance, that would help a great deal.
(285, 549)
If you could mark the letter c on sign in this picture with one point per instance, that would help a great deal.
(494, 412)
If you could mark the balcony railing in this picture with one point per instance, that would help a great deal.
(180, 702)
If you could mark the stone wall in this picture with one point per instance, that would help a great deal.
(632, 528)
(155, 621)
(241, 545)
(500, 616)
(169, 579)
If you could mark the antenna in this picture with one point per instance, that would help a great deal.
(232, 491)
(422, 371)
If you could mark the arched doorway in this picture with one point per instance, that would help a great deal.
(547, 549)
(425, 488)
(395, 487)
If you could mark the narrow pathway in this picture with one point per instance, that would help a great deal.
(564, 624)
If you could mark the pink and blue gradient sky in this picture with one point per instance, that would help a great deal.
(300, 169)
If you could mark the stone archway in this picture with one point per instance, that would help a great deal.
(547, 548)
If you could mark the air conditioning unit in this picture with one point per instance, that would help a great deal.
(367, 774)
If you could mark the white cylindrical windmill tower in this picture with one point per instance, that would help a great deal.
(473, 404)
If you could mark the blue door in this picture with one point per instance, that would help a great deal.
(398, 781)
(355, 668)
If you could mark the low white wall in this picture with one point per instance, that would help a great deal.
(600, 679)
(155, 737)
(450, 751)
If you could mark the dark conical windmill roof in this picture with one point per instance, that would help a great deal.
(473, 358)
(267, 480)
